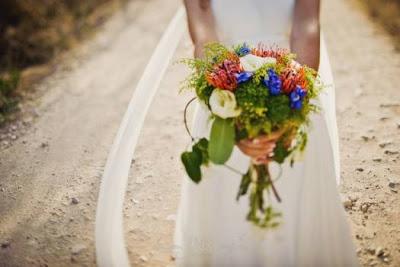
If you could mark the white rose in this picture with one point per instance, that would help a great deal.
(223, 104)
(252, 63)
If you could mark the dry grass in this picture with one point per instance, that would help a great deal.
(32, 32)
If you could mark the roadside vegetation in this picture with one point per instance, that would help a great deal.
(33, 32)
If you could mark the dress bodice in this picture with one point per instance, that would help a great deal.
(253, 21)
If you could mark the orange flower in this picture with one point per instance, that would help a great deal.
(223, 75)
(291, 78)
(301, 79)
(263, 51)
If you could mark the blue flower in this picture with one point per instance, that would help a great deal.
(243, 76)
(273, 82)
(296, 105)
(243, 50)
(296, 97)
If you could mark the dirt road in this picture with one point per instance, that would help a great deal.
(50, 176)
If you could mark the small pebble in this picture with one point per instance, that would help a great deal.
(384, 144)
(371, 251)
(43, 145)
(348, 204)
(390, 152)
(77, 249)
(379, 251)
(365, 138)
(364, 207)
(74, 200)
(5, 244)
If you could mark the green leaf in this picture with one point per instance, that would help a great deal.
(192, 161)
(244, 184)
(202, 147)
(280, 152)
(222, 140)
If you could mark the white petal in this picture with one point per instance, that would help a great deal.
(223, 104)
(252, 63)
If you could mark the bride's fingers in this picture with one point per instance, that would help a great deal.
(268, 138)
(259, 161)
(257, 146)
(257, 152)
(253, 153)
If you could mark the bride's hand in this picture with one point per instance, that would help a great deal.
(260, 149)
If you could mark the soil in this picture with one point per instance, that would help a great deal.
(51, 160)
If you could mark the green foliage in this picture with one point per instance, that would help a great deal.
(192, 162)
(260, 213)
(251, 98)
(194, 159)
(244, 184)
(201, 147)
(214, 53)
(280, 152)
(203, 90)
(288, 58)
(8, 96)
(278, 109)
(262, 72)
(222, 140)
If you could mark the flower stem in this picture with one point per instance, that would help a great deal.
(268, 175)
(185, 119)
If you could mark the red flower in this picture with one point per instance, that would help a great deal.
(291, 78)
(223, 75)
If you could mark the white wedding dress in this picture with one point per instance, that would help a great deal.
(211, 227)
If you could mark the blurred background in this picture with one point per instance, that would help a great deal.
(67, 72)
(33, 32)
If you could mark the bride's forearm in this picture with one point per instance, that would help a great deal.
(305, 36)
(201, 21)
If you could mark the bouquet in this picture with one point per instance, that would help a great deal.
(251, 92)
